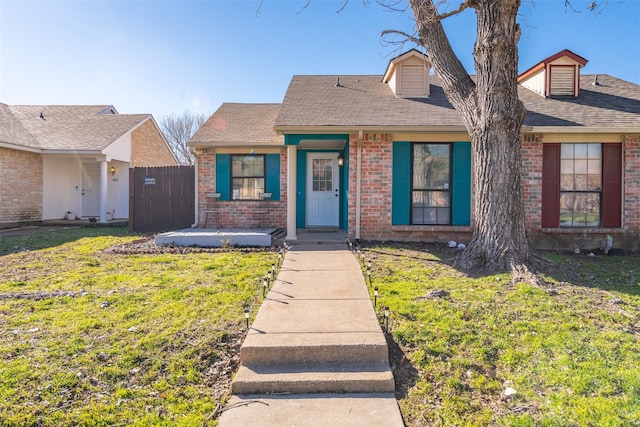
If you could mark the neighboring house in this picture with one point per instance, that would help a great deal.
(387, 157)
(59, 159)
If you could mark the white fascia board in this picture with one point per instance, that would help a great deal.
(580, 129)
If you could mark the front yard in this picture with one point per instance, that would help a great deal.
(95, 331)
(93, 337)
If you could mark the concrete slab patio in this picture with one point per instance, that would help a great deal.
(315, 354)
(215, 238)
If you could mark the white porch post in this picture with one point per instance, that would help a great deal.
(103, 191)
(292, 192)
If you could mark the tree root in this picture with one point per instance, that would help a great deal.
(523, 268)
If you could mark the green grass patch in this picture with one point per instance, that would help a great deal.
(138, 340)
(570, 352)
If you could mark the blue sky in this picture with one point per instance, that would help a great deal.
(163, 57)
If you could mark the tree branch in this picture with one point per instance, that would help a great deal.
(455, 80)
(464, 5)
(403, 34)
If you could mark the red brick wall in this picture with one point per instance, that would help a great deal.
(375, 190)
(631, 183)
(532, 183)
(240, 214)
(585, 239)
(375, 196)
(21, 189)
(376, 177)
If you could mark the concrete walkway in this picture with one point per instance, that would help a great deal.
(315, 354)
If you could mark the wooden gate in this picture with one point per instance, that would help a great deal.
(161, 198)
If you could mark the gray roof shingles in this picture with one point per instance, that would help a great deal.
(240, 124)
(66, 127)
(364, 101)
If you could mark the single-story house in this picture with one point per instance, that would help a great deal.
(386, 157)
(72, 161)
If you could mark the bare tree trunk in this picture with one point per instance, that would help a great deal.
(493, 116)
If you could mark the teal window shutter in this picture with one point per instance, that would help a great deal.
(223, 175)
(273, 176)
(461, 184)
(401, 183)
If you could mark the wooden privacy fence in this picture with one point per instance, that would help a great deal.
(161, 198)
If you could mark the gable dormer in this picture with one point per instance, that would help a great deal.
(408, 75)
(557, 75)
(109, 110)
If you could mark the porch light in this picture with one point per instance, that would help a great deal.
(112, 169)
(340, 160)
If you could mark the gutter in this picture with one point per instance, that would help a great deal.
(580, 130)
(281, 130)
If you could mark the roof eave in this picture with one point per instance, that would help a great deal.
(581, 129)
(282, 130)
(19, 147)
(201, 144)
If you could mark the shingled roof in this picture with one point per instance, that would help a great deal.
(361, 102)
(238, 124)
(64, 127)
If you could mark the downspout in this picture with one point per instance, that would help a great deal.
(358, 179)
(195, 178)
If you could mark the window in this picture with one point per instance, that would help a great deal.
(247, 177)
(435, 188)
(322, 175)
(582, 185)
(431, 183)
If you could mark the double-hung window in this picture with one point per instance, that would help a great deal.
(431, 184)
(247, 176)
(582, 185)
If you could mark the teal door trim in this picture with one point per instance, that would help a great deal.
(301, 186)
(294, 139)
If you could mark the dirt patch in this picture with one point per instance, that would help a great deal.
(147, 245)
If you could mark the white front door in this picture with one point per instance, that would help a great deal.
(91, 189)
(323, 190)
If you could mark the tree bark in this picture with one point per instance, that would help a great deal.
(493, 116)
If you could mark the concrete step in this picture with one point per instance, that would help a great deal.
(345, 410)
(314, 378)
(296, 348)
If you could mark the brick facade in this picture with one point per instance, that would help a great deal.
(375, 200)
(148, 148)
(237, 213)
(21, 189)
(376, 194)
(585, 239)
